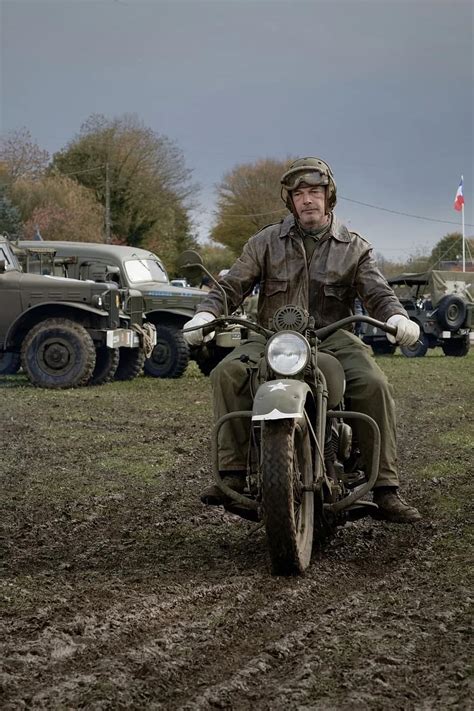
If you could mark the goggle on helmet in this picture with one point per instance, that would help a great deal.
(312, 171)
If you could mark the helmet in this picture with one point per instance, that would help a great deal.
(312, 171)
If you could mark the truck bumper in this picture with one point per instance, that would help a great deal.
(122, 338)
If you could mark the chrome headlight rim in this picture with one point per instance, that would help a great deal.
(302, 351)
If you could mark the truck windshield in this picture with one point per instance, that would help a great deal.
(139, 270)
(9, 259)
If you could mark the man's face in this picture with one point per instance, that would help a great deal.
(309, 202)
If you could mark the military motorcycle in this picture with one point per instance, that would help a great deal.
(305, 475)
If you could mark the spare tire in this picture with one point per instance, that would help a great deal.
(451, 312)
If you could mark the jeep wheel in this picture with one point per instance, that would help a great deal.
(170, 356)
(381, 348)
(451, 312)
(58, 353)
(130, 363)
(457, 347)
(418, 350)
(106, 364)
(9, 363)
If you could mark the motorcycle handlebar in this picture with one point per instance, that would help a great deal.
(321, 333)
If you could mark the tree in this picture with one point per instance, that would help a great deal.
(22, 157)
(10, 220)
(60, 207)
(139, 177)
(216, 258)
(449, 249)
(248, 198)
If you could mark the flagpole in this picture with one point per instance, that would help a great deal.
(463, 241)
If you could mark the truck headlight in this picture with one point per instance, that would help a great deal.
(97, 301)
(288, 352)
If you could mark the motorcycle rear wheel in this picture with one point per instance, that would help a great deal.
(288, 511)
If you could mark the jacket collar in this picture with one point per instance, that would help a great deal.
(337, 230)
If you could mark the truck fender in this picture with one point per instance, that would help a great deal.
(161, 315)
(280, 400)
(29, 315)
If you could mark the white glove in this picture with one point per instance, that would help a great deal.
(195, 338)
(408, 332)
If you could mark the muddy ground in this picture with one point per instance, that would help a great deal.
(120, 590)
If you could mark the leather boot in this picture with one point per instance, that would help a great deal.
(213, 496)
(392, 507)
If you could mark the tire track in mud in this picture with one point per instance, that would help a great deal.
(157, 643)
(359, 651)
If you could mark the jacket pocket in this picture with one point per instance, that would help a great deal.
(340, 292)
(274, 286)
(338, 300)
(274, 297)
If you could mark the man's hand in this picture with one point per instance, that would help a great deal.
(195, 338)
(408, 332)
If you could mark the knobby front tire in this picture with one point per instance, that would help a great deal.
(288, 511)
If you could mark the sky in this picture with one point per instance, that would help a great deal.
(383, 90)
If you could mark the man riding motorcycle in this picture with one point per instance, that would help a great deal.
(312, 260)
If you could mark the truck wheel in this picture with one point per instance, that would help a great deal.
(457, 347)
(106, 363)
(9, 363)
(58, 353)
(381, 348)
(451, 312)
(130, 363)
(418, 350)
(170, 356)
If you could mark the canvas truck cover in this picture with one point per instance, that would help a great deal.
(439, 284)
(459, 283)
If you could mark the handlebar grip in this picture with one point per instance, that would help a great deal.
(206, 330)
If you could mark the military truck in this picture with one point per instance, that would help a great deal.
(441, 303)
(64, 332)
(167, 307)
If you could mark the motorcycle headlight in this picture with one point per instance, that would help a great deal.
(288, 353)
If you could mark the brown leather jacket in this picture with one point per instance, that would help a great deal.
(341, 267)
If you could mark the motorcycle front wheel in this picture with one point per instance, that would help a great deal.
(288, 509)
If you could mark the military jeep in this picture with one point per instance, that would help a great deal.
(441, 303)
(64, 332)
(167, 307)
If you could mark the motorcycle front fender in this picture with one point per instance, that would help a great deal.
(280, 400)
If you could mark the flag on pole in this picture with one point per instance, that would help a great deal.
(459, 199)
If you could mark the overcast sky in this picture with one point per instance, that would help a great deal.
(381, 89)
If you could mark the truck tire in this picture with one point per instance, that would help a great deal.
(58, 353)
(451, 312)
(106, 364)
(456, 347)
(130, 363)
(418, 350)
(170, 356)
(9, 363)
(380, 348)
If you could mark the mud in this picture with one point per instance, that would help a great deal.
(120, 590)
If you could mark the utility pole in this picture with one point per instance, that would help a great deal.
(107, 203)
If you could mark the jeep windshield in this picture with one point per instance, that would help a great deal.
(142, 270)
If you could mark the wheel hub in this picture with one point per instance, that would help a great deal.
(55, 356)
(161, 353)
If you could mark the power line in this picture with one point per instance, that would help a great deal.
(86, 170)
(397, 212)
(357, 202)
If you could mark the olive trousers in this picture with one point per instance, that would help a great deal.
(367, 391)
